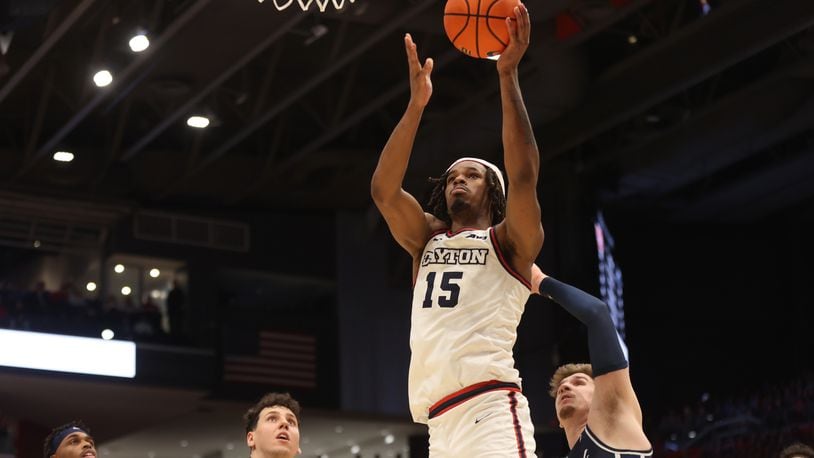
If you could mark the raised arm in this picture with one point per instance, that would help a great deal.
(521, 231)
(407, 221)
(615, 414)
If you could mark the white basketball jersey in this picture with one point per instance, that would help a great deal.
(467, 303)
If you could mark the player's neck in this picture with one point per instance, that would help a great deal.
(573, 430)
(270, 454)
(470, 220)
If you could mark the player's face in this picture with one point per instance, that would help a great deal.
(277, 433)
(76, 445)
(466, 185)
(574, 397)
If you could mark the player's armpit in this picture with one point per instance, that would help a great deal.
(408, 223)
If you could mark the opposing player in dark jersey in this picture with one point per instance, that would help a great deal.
(595, 403)
(472, 258)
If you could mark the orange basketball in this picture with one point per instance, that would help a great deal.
(478, 27)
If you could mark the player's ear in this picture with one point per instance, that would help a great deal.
(250, 439)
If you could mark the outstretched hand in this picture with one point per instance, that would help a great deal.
(519, 35)
(420, 82)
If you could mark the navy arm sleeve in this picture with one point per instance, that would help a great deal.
(603, 341)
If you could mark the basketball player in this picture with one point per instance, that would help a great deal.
(595, 403)
(273, 428)
(797, 450)
(472, 260)
(71, 440)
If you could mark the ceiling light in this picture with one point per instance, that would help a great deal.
(107, 334)
(91, 286)
(199, 122)
(37, 243)
(317, 32)
(632, 39)
(118, 268)
(389, 439)
(63, 156)
(126, 290)
(102, 78)
(139, 43)
(5, 41)
(354, 450)
(155, 273)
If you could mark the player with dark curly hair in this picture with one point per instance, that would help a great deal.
(71, 440)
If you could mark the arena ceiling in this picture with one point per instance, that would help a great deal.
(649, 106)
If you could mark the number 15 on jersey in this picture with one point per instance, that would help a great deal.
(448, 289)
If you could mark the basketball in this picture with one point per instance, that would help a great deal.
(478, 27)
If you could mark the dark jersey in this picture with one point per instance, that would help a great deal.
(589, 446)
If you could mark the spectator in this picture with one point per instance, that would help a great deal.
(176, 309)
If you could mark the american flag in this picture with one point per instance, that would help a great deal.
(283, 359)
(610, 278)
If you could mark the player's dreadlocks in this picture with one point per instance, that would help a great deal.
(438, 202)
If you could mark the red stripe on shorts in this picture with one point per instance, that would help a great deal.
(518, 433)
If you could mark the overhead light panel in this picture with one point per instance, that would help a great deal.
(63, 156)
(34, 350)
(118, 268)
(102, 78)
(155, 273)
(198, 122)
(139, 43)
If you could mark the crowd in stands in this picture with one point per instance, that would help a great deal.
(67, 311)
(749, 425)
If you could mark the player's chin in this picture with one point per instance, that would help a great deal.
(566, 412)
(284, 446)
(457, 205)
